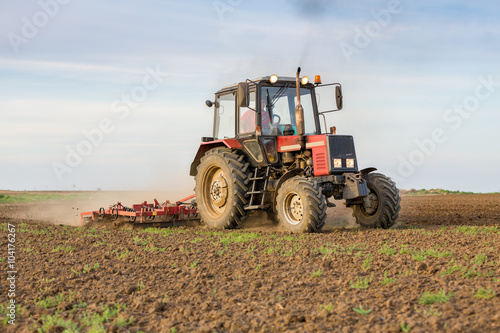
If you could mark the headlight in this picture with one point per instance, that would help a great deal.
(337, 163)
(273, 78)
(304, 80)
(349, 163)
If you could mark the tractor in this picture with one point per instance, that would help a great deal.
(268, 153)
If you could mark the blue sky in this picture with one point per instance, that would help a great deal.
(408, 68)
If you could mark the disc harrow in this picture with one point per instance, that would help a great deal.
(146, 214)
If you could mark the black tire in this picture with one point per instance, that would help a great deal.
(380, 209)
(221, 187)
(301, 205)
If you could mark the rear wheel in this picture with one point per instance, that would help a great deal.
(380, 209)
(301, 205)
(221, 186)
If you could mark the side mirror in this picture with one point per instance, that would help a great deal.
(209, 103)
(338, 97)
(243, 100)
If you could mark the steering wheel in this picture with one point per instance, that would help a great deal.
(279, 119)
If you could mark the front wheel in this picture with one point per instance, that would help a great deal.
(380, 208)
(301, 206)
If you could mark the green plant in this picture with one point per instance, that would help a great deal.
(196, 240)
(430, 312)
(387, 250)
(361, 283)
(120, 321)
(242, 237)
(279, 298)
(362, 311)
(258, 267)
(49, 321)
(220, 253)
(452, 268)
(317, 273)
(140, 285)
(87, 268)
(141, 242)
(471, 273)
(480, 259)
(193, 264)
(324, 250)
(51, 302)
(387, 280)
(66, 249)
(367, 263)
(439, 297)
(484, 293)
(250, 249)
(328, 307)
(405, 327)
(122, 254)
(80, 305)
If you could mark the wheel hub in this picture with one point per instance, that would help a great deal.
(370, 203)
(294, 208)
(218, 190)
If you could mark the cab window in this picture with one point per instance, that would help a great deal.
(248, 116)
(225, 120)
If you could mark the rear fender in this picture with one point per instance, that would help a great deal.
(206, 146)
(366, 171)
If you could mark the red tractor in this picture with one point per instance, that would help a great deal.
(268, 153)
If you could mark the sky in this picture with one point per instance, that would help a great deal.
(110, 94)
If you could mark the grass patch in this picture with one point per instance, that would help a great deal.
(387, 250)
(367, 263)
(361, 283)
(317, 273)
(235, 237)
(51, 302)
(48, 322)
(405, 327)
(327, 307)
(63, 248)
(439, 297)
(480, 259)
(194, 264)
(387, 280)
(32, 197)
(362, 311)
(482, 293)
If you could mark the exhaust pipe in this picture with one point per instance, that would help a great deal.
(299, 111)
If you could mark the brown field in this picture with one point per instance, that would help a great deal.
(437, 271)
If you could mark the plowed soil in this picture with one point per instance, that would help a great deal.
(437, 271)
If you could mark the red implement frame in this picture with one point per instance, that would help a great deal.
(148, 213)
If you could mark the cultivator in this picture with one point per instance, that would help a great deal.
(147, 214)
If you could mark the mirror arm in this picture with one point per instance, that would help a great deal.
(324, 120)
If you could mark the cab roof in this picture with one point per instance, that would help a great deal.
(281, 79)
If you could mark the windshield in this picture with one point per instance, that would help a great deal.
(278, 109)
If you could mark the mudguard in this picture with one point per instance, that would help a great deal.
(206, 146)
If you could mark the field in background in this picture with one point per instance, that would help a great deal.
(438, 270)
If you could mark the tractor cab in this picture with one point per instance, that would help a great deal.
(257, 112)
(267, 106)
